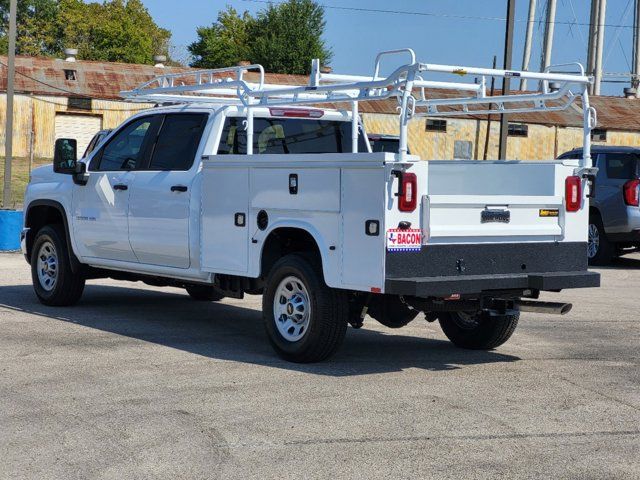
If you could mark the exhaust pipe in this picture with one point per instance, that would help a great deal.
(555, 308)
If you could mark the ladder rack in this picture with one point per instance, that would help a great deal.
(406, 84)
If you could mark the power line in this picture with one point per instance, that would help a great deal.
(432, 14)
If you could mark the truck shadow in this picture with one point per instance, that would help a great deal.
(228, 332)
(623, 263)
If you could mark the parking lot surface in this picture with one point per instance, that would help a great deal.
(137, 382)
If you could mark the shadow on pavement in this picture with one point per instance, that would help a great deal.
(232, 333)
(622, 263)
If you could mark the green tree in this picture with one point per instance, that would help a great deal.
(114, 31)
(36, 27)
(224, 43)
(283, 37)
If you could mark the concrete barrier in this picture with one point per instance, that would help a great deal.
(10, 227)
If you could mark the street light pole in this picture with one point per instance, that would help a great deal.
(8, 139)
(508, 50)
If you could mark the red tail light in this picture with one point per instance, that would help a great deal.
(573, 193)
(296, 112)
(408, 198)
(631, 191)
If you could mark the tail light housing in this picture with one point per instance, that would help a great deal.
(408, 193)
(631, 192)
(573, 193)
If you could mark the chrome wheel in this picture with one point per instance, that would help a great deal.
(292, 309)
(594, 241)
(47, 266)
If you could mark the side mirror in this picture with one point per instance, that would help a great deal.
(65, 156)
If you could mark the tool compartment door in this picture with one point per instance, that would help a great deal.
(224, 239)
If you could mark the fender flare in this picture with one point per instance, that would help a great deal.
(306, 227)
(73, 260)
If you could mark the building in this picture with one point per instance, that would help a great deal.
(72, 98)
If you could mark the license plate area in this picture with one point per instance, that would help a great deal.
(495, 215)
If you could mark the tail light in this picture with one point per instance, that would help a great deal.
(296, 112)
(573, 193)
(631, 191)
(408, 195)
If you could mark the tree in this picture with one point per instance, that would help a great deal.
(114, 31)
(223, 43)
(35, 20)
(283, 37)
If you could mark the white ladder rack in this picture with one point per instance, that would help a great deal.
(407, 84)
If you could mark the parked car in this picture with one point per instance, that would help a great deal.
(252, 188)
(95, 141)
(614, 207)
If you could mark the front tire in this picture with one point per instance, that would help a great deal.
(305, 320)
(54, 282)
(477, 330)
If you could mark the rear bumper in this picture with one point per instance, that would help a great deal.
(441, 270)
(469, 284)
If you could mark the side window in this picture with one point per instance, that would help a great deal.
(178, 141)
(234, 137)
(286, 135)
(126, 150)
(621, 166)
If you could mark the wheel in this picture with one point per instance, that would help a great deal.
(391, 312)
(305, 320)
(477, 331)
(600, 250)
(53, 280)
(203, 293)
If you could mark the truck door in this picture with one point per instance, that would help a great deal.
(159, 209)
(100, 207)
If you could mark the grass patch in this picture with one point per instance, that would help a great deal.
(19, 179)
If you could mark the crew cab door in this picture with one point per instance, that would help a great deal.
(159, 208)
(100, 224)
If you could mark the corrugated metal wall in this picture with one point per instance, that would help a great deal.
(38, 114)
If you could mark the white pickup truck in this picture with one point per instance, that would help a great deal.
(233, 186)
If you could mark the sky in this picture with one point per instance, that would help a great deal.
(454, 32)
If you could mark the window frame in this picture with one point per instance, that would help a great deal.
(96, 160)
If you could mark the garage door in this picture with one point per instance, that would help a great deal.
(80, 127)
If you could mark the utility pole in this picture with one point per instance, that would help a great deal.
(508, 50)
(602, 9)
(526, 55)
(591, 47)
(548, 33)
(8, 139)
(635, 81)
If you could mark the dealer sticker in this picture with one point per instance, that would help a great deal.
(409, 240)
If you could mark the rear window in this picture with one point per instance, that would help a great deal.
(288, 135)
(623, 166)
(385, 144)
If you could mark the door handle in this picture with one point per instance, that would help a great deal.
(120, 186)
(178, 188)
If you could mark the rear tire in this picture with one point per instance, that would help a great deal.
(477, 331)
(600, 251)
(203, 293)
(54, 282)
(305, 320)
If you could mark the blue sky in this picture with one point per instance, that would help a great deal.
(467, 32)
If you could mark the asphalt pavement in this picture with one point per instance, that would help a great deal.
(139, 382)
